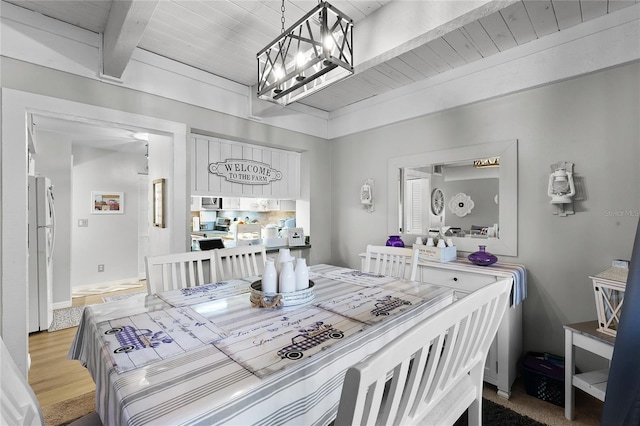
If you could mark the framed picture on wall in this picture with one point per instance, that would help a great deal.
(158, 203)
(107, 202)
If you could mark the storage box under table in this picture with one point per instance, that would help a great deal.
(543, 375)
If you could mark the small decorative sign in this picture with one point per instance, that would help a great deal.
(248, 172)
(295, 236)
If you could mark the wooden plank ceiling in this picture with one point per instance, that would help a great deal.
(222, 37)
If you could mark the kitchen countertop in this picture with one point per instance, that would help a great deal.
(271, 249)
(275, 249)
(209, 233)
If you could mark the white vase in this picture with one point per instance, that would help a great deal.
(287, 278)
(284, 255)
(270, 278)
(302, 274)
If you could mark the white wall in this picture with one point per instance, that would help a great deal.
(26, 86)
(111, 240)
(591, 121)
(53, 160)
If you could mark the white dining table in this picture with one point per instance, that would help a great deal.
(208, 357)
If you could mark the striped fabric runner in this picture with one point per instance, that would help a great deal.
(500, 269)
(206, 385)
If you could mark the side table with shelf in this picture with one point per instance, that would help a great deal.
(585, 335)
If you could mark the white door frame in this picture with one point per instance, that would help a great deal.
(16, 106)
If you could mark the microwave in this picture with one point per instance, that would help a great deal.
(212, 203)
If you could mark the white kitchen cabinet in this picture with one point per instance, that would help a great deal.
(251, 204)
(196, 204)
(286, 205)
(272, 204)
(501, 367)
(232, 203)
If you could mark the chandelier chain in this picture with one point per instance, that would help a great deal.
(282, 19)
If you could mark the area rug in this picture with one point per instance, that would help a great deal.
(65, 412)
(69, 410)
(66, 318)
(495, 414)
(123, 296)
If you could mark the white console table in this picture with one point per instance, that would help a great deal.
(585, 335)
(502, 365)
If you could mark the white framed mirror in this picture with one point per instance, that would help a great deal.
(411, 215)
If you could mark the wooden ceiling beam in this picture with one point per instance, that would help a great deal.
(126, 23)
(401, 26)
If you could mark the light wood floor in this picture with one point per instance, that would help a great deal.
(54, 378)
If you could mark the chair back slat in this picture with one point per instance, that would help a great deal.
(242, 261)
(180, 270)
(431, 374)
(399, 262)
(18, 402)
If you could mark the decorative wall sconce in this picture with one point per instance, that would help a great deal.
(561, 188)
(366, 195)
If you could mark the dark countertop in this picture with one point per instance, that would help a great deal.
(210, 234)
(275, 249)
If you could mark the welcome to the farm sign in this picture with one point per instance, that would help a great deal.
(248, 172)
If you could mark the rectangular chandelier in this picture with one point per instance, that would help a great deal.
(312, 54)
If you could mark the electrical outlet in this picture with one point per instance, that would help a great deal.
(83, 223)
(100, 268)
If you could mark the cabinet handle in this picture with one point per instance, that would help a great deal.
(455, 278)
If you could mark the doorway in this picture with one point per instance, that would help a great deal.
(171, 165)
(96, 248)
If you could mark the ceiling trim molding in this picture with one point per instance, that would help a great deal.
(606, 42)
(414, 24)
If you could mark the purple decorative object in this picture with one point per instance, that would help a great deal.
(482, 257)
(395, 241)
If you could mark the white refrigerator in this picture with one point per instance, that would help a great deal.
(42, 221)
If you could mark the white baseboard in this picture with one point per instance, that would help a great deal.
(62, 305)
(107, 283)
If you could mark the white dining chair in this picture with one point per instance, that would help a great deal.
(18, 403)
(432, 373)
(239, 262)
(399, 262)
(180, 270)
